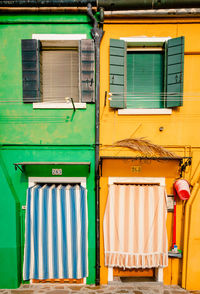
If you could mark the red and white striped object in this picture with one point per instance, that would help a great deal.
(135, 234)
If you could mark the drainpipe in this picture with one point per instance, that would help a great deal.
(46, 3)
(64, 10)
(153, 13)
(146, 4)
(97, 34)
(106, 4)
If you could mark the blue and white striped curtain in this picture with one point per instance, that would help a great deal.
(56, 233)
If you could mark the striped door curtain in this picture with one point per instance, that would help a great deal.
(135, 234)
(56, 233)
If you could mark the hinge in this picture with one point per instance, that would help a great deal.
(17, 166)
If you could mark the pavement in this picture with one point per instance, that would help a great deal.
(134, 288)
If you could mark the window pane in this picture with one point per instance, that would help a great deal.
(60, 75)
(145, 79)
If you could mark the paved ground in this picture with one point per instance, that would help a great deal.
(134, 288)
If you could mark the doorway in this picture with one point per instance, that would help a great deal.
(56, 246)
(147, 257)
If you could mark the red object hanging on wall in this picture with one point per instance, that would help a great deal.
(182, 189)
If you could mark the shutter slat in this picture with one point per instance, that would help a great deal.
(174, 72)
(116, 80)
(175, 42)
(117, 73)
(174, 89)
(30, 66)
(28, 55)
(175, 50)
(31, 70)
(30, 85)
(173, 79)
(117, 90)
(117, 52)
(119, 60)
(117, 70)
(117, 43)
(174, 68)
(87, 74)
(174, 59)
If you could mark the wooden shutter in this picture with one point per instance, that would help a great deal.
(117, 73)
(87, 78)
(31, 70)
(174, 72)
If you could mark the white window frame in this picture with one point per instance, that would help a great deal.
(145, 111)
(137, 180)
(58, 37)
(145, 39)
(76, 180)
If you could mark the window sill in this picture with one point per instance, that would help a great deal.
(144, 111)
(44, 105)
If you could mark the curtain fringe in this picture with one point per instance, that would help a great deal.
(145, 260)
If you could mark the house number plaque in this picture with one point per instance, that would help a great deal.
(57, 171)
(136, 169)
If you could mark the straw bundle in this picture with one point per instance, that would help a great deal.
(145, 147)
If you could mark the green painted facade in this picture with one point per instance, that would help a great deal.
(37, 135)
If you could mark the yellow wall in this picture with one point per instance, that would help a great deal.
(124, 168)
(181, 128)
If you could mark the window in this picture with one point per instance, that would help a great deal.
(56, 70)
(144, 69)
(59, 71)
(146, 75)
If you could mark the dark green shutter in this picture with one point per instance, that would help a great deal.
(117, 73)
(31, 70)
(174, 72)
(87, 59)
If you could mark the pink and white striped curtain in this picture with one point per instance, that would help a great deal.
(135, 234)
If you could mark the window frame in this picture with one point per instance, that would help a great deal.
(65, 180)
(60, 37)
(149, 42)
(165, 43)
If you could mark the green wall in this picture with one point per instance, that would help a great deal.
(20, 123)
(28, 134)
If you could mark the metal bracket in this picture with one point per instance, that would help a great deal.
(18, 167)
(106, 94)
(100, 166)
(183, 165)
(74, 108)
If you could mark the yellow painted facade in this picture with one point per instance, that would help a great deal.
(180, 135)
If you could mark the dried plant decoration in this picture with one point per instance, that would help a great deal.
(145, 147)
